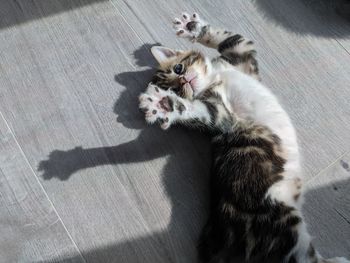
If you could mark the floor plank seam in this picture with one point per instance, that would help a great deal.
(126, 22)
(41, 186)
(342, 46)
(138, 19)
(342, 216)
(328, 166)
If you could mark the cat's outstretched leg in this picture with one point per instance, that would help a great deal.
(233, 48)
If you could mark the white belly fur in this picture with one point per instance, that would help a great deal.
(249, 99)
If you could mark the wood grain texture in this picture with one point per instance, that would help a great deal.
(127, 192)
(30, 229)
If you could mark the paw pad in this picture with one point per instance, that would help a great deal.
(156, 105)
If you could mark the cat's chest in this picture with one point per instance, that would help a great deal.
(240, 103)
(243, 110)
(241, 93)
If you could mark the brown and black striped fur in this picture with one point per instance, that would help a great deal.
(245, 225)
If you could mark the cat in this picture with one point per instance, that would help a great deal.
(256, 185)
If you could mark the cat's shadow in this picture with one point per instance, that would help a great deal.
(188, 207)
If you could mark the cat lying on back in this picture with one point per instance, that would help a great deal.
(256, 179)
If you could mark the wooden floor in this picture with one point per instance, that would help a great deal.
(83, 179)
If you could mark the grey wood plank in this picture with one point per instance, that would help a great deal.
(327, 209)
(11, 18)
(30, 229)
(323, 18)
(307, 17)
(133, 193)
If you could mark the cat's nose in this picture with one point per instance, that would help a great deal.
(183, 81)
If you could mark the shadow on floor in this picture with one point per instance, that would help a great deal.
(21, 11)
(188, 208)
(317, 17)
(151, 248)
(177, 243)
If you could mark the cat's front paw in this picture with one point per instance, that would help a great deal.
(157, 105)
(190, 27)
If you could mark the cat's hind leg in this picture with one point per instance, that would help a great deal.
(234, 48)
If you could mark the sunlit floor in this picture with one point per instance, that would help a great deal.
(83, 179)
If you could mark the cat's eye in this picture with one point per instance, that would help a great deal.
(178, 68)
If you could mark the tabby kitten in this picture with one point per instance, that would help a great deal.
(255, 178)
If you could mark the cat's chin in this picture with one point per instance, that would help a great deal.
(188, 86)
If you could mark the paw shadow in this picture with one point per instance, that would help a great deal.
(135, 82)
(184, 177)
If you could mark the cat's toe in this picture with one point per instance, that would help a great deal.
(165, 123)
(195, 17)
(144, 102)
(144, 97)
(152, 89)
(185, 17)
(177, 23)
(184, 33)
(156, 92)
(152, 115)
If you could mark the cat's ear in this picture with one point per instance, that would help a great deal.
(163, 54)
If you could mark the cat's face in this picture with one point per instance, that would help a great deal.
(184, 72)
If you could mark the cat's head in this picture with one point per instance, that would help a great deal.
(184, 72)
